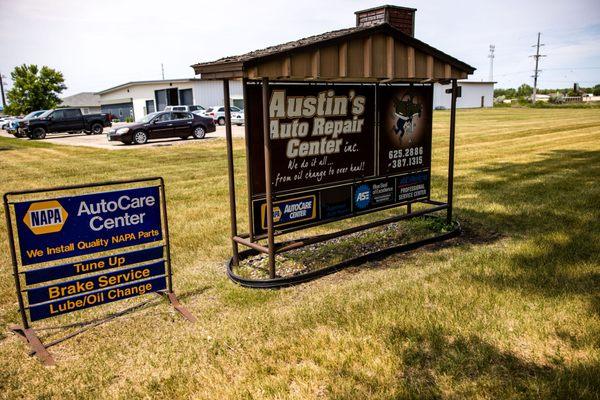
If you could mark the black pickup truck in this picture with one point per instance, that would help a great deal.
(69, 120)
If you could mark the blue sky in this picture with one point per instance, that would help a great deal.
(99, 44)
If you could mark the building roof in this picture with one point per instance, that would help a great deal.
(83, 99)
(463, 81)
(235, 66)
(272, 50)
(149, 82)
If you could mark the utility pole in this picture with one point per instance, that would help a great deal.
(163, 71)
(537, 56)
(491, 57)
(2, 90)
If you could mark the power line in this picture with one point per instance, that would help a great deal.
(550, 69)
(537, 71)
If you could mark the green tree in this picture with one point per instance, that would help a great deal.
(33, 89)
(524, 90)
(511, 93)
(596, 90)
(499, 92)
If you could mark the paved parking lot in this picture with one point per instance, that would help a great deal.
(100, 141)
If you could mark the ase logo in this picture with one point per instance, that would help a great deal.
(362, 197)
(45, 217)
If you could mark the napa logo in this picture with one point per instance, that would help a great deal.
(45, 217)
(276, 214)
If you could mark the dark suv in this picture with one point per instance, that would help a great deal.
(164, 124)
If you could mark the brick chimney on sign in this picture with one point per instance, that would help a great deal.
(402, 18)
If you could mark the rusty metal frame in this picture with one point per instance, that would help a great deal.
(26, 331)
(272, 248)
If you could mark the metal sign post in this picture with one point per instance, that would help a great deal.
(455, 92)
(74, 252)
(268, 180)
(231, 175)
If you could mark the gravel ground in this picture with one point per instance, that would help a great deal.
(100, 141)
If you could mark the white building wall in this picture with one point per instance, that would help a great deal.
(471, 95)
(138, 94)
(210, 93)
(205, 93)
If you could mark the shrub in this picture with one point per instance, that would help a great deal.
(557, 98)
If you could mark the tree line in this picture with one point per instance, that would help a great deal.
(525, 91)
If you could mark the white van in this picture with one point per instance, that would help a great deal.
(184, 108)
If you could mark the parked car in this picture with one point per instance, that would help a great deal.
(237, 118)
(17, 126)
(218, 114)
(163, 124)
(6, 121)
(69, 120)
(3, 120)
(184, 108)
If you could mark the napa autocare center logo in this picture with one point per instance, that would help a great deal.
(53, 229)
(291, 211)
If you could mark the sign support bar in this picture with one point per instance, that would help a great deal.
(13, 254)
(268, 182)
(228, 135)
(455, 94)
(248, 167)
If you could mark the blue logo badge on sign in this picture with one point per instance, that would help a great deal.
(291, 211)
(362, 197)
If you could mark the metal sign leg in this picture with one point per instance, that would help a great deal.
(268, 183)
(231, 172)
(37, 347)
(454, 92)
(178, 306)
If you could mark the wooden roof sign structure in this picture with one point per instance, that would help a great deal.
(380, 48)
(336, 125)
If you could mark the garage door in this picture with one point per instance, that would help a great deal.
(120, 111)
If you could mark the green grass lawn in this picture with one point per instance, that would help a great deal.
(509, 310)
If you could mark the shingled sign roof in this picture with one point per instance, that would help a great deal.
(295, 44)
(376, 50)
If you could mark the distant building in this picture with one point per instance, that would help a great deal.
(474, 95)
(88, 102)
(542, 97)
(136, 99)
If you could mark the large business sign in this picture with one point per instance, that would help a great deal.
(338, 151)
(79, 251)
